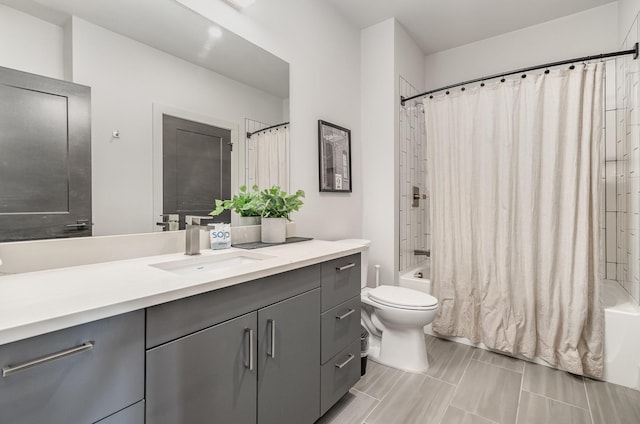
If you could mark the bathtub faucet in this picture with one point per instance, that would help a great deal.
(419, 252)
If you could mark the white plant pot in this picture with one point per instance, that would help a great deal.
(274, 230)
(245, 221)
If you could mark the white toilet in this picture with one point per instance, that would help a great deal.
(395, 318)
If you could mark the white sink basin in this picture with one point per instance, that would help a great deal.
(211, 263)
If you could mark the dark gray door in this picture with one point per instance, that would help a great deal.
(196, 168)
(45, 157)
(288, 361)
(206, 377)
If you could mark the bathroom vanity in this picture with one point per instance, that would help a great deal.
(269, 337)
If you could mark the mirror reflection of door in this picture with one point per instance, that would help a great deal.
(196, 168)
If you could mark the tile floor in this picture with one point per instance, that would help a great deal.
(466, 385)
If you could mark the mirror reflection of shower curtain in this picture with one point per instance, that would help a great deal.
(515, 204)
(268, 153)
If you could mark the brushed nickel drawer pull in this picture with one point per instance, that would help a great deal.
(349, 359)
(249, 332)
(346, 314)
(347, 266)
(78, 225)
(272, 345)
(13, 369)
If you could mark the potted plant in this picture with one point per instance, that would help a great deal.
(246, 204)
(275, 205)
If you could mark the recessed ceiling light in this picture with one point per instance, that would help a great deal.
(240, 4)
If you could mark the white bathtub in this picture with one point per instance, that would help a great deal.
(622, 327)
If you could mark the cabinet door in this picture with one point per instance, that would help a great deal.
(288, 359)
(77, 375)
(206, 377)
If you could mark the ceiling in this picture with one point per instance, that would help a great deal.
(161, 24)
(438, 25)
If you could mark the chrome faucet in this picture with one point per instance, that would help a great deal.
(193, 224)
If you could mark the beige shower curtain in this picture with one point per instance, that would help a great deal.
(513, 173)
(268, 158)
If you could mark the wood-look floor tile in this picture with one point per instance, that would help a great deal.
(378, 380)
(447, 359)
(489, 391)
(415, 399)
(613, 404)
(458, 416)
(499, 360)
(536, 409)
(353, 408)
(556, 384)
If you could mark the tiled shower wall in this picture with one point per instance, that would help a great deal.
(622, 156)
(415, 231)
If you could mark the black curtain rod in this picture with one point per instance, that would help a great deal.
(633, 51)
(249, 134)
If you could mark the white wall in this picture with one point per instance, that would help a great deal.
(379, 211)
(323, 51)
(627, 12)
(408, 59)
(30, 44)
(590, 32)
(124, 87)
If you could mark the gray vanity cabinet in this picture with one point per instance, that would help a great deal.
(340, 360)
(288, 355)
(248, 353)
(78, 375)
(206, 377)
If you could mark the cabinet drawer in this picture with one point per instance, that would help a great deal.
(338, 375)
(340, 280)
(69, 385)
(131, 415)
(340, 326)
(172, 320)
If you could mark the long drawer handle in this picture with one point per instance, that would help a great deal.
(249, 332)
(346, 314)
(272, 343)
(13, 369)
(347, 266)
(78, 225)
(344, 364)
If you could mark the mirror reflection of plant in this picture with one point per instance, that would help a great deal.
(245, 203)
(276, 203)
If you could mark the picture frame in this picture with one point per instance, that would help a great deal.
(334, 147)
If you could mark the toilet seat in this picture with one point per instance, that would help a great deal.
(402, 298)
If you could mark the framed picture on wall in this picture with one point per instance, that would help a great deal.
(334, 143)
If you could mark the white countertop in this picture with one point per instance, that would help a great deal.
(35, 303)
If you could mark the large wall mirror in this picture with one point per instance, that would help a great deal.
(146, 60)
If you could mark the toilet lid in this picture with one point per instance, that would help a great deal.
(402, 297)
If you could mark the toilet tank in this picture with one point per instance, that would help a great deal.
(364, 258)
